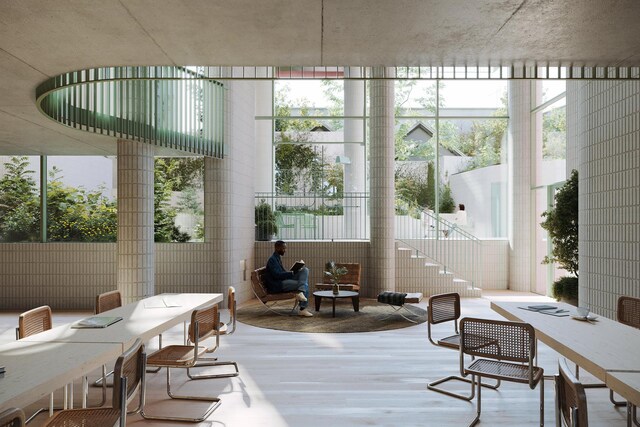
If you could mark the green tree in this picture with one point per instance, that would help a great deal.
(554, 134)
(19, 202)
(164, 214)
(561, 222)
(78, 215)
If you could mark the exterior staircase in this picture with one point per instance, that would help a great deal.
(417, 273)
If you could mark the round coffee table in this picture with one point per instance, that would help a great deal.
(355, 299)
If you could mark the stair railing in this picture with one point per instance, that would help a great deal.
(444, 242)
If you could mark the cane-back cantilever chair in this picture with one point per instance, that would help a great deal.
(12, 417)
(628, 314)
(128, 380)
(509, 357)
(446, 308)
(227, 328)
(104, 302)
(204, 325)
(33, 322)
(571, 400)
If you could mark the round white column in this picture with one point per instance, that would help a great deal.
(354, 172)
(382, 191)
(135, 245)
(519, 170)
(263, 179)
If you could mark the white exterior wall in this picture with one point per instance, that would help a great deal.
(608, 141)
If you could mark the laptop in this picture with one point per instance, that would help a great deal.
(95, 322)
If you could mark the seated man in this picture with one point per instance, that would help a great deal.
(281, 280)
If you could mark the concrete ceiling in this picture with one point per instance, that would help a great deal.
(42, 38)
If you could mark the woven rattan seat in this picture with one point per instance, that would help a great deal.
(174, 355)
(452, 342)
(204, 325)
(128, 381)
(505, 351)
(446, 308)
(12, 417)
(503, 370)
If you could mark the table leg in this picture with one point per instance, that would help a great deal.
(334, 307)
(318, 301)
(356, 302)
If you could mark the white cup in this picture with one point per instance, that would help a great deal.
(582, 311)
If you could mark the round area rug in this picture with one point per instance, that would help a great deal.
(372, 316)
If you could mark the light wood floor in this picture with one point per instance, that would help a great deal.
(361, 379)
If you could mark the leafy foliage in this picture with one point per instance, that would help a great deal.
(565, 288)
(19, 203)
(78, 215)
(561, 222)
(265, 220)
(333, 272)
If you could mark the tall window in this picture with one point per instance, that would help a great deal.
(19, 199)
(81, 204)
(179, 199)
(548, 117)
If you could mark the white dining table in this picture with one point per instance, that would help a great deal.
(42, 363)
(142, 319)
(33, 370)
(607, 349)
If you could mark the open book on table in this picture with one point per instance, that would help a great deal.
(297, 266)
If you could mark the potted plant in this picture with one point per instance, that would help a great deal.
(265, 221)
(561, 222)
(334, 273)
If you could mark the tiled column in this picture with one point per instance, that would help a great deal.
(263, 180)
(382, 191)
(519, 166)
(135, 246)
(354, 179)
(218, 195)
(608, 140)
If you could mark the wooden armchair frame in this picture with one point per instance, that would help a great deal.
(12, 417)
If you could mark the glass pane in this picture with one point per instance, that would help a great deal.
(19, 198)
(473, 94)
(415, 98)
(81, 206)
(552, 88)
(472, 159)
(179, 199)
(309, 98)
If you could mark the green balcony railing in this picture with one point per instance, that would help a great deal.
(171, 107)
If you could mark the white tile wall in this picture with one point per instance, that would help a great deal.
(609, 190)
(70, 275)
(519, 166)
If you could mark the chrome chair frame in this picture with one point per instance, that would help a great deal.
(437, 312)
(478, 336)
(570, 412)
(209, 327)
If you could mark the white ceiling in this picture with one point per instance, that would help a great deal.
(42, 38)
